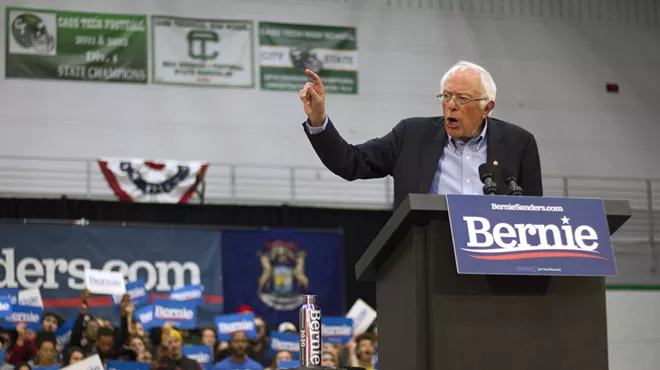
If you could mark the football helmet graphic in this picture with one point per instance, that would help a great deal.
(30, 32)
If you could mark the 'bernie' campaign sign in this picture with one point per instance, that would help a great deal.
(226, 325)
(182, 314)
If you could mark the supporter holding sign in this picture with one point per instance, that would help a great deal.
(182, 314)
(229, 324)
(108, 342)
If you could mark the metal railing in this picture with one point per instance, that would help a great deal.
(45, 177)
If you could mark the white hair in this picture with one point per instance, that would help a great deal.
(488, 88)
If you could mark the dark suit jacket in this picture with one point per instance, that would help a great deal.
(411, 151)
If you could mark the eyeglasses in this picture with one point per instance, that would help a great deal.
(460, 99)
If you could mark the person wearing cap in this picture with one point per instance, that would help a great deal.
(169, 352)
(432, 155)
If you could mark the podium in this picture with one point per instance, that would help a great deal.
(430, 317)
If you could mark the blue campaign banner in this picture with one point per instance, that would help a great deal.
(227, 324)
(189, 293)
(136, 292)
(516, 235)
(337, 330)
(5, 307)
(53, 257)
(271, 269)
(201, 354)
(29, 315)
(284, 342)
(11, 293)
(145, 316)
(182, 314)
(126, 365)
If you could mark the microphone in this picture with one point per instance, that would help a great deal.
(486, 176)
(510, 181)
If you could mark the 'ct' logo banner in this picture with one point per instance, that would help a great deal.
(530, 236)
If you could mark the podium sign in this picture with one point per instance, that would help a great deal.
(520, 235)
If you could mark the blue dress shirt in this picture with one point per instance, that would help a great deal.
(458, 167)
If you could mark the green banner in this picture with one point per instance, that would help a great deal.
(288, 49)
(59, 45)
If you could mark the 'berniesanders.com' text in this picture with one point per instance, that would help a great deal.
(526, 207)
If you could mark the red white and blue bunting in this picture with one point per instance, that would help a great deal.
(145, 181)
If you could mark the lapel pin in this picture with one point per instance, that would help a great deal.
(495, 163)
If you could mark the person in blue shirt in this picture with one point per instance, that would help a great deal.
(238, 359)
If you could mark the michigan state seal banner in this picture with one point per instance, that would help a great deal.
(202, 51)
(288, 49)
(270, 270)
(61, 45)
(530, 236)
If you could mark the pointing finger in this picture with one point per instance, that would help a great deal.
(314, 77)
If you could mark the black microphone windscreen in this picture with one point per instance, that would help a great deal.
(485, 170)
(508, 174)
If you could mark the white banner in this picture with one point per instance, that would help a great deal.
(30, 297)
(104, 282)
(202, 51)
(139, 180)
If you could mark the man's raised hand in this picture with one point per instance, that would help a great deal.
(313, 97)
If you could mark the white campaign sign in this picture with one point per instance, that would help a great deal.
(202, 51)
(104, 282)
(90, 363)
(30, 297)
(363, 315)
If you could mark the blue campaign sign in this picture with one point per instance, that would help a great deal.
(63, 333)
(228, 324)
(53, 257)
(288, 364)
(126, 365)
(136, 292)
(337, 330)
(182, 314)
(516, 235)
(189, 293)
(285, 342)
(145, 316)
(201, 354)
(5, 307)
(29, 315)
(11, 293)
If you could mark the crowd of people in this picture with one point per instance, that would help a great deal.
(161, 347)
